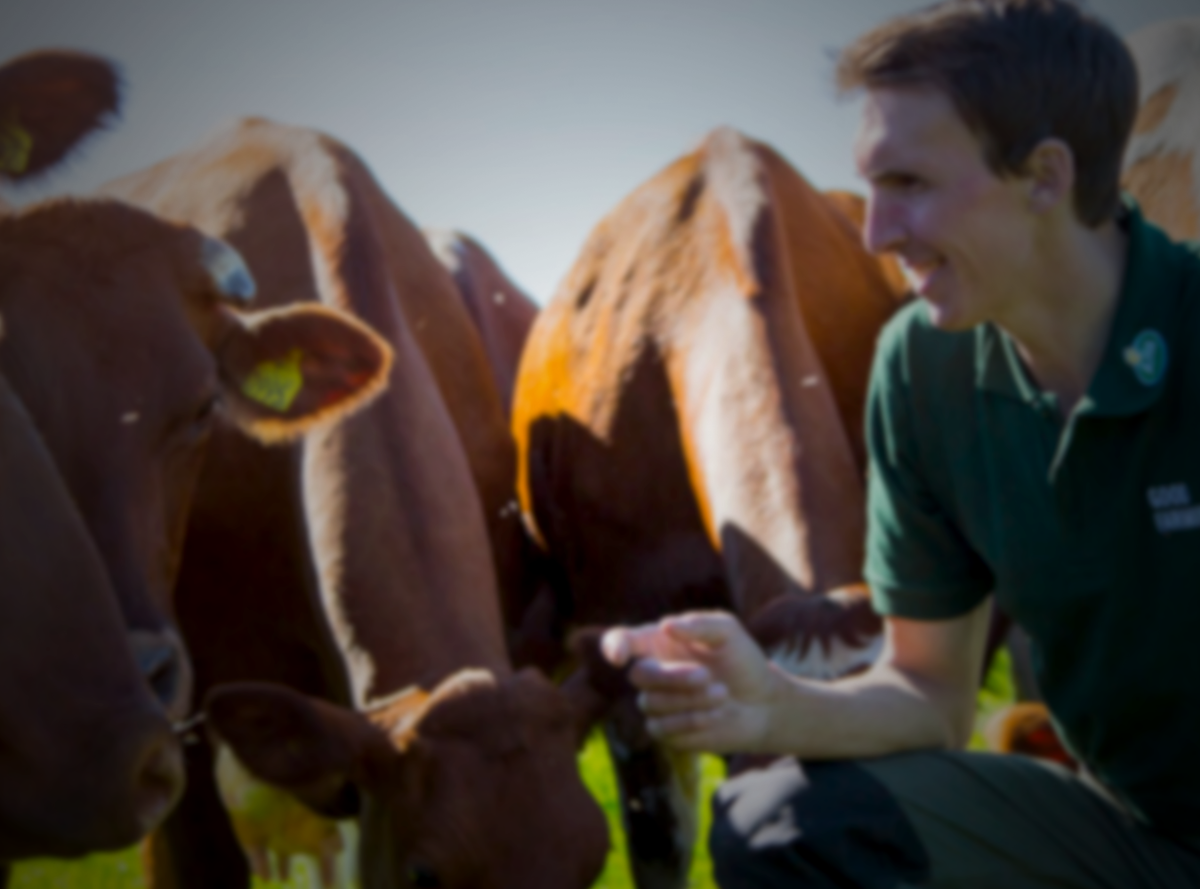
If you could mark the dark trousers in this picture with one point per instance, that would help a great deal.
(943, 820)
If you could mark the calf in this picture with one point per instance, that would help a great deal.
(366, 561)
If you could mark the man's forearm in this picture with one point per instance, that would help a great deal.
(879, 712)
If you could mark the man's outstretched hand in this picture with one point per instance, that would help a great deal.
(705, 683)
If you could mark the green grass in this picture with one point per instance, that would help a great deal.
(122, 870)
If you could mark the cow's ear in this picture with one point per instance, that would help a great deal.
(49, 101)
(285, 371)
(315, 751)
(596, 685)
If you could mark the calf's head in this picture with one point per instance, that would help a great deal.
(123, 347)
(473, 785)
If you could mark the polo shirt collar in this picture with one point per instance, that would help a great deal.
(1139, 355)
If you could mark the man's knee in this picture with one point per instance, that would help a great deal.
(824, 824)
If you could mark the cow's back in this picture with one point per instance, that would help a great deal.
(689, 406)
(1162, 162)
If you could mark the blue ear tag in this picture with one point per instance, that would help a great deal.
(1147, 357)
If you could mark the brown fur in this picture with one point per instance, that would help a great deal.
(55, 99)
(84, 748)
(1025, 728)
(502, 313)
(115, 330)
(845, 617)
(365, 557)
(1162, 163)
(688, 417)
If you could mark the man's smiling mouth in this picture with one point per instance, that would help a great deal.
(920, 274)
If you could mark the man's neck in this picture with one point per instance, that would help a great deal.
(1062, 321)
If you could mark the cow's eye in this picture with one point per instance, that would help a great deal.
(423, 877)
(206, 410)
(202, 417)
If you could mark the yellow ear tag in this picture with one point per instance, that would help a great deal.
(276, 383)
(16, 147)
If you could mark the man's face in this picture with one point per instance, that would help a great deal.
(964, 236)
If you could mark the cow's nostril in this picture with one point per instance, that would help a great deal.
(158, 782)
(163, 677)
(161, 659)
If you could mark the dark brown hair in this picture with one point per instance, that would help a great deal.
(1018, 72)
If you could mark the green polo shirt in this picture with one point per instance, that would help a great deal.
(1086, 531)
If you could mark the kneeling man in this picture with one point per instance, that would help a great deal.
(1034, 434)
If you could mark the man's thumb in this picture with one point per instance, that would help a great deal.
(711, 628)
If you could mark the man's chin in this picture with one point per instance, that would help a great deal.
(943, 316)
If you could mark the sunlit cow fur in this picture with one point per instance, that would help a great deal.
(365, 556)
(688, 414)
(501, 311)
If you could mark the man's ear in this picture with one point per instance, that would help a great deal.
(1050, 169)
(316, 751)
(284, 371)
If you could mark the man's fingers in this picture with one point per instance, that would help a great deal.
(650, 674)
(614, 645)
(657, 703)
(674, 727)
(621, 644)
(710, 628)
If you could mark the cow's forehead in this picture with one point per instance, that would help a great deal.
(90, 234)
(101, 287)
(498, 719)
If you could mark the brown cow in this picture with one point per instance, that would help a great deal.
(688, 414)
(1162, 162)
(502, 313)
(122, 350)
(116, 348)
(503, 316)
(87, 759)
(363, 557)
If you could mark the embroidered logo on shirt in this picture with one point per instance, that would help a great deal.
(1173, 510)
(1147, 356)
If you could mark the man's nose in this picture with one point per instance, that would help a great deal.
(883, 226)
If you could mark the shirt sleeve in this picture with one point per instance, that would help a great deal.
(918, 563)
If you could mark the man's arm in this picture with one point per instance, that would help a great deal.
(706, 685)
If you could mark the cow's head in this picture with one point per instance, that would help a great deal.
(49, 102)
(123, 344)
(87, 760)
(473, 785)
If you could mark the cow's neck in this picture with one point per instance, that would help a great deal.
(402, 557)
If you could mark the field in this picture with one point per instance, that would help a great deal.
(123, 870)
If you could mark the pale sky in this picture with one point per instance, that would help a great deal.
(520, 122)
